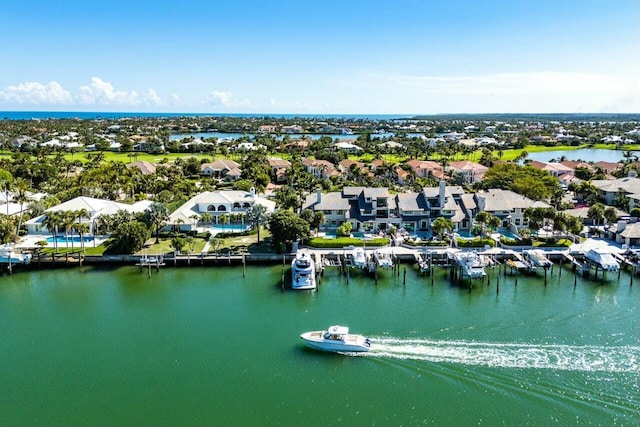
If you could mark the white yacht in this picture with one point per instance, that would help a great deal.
(337, 339)
(303, 271)
(359, 257)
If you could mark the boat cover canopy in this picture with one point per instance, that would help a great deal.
(339, 330)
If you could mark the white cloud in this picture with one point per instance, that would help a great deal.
(225, 99)
(36, 93)
(99, 92)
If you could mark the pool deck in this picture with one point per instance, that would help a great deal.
(31, 241)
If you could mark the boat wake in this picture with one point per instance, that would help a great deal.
(510, 355)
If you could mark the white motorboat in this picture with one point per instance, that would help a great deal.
(537, 257)
(603, 259)
(337, 339)
(383, 258)
(471, 264)
(9, 256)
(303, 271)
(358, 257)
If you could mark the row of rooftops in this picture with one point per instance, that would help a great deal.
(363, 203)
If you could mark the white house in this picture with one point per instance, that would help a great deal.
(216, 203)
(94, 207)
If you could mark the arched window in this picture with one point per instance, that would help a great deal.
(246, 205)
(236, 205)
(211, 208)
(222, 208)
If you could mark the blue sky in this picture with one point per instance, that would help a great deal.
(322, 56)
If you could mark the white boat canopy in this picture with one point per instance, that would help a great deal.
(338, 330)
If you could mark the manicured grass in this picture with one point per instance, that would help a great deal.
(248, 243)
(513, 154)
(341, 242)
(164, 246)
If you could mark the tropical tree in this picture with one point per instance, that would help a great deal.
(596, 213)
(52, 221)
(610, 214)
(68, 221)
(82, 228)
(441, 225)
(20, 196)
(128, 238)
(259, 216)
(206, 218)
(178, 243)
(317, 221)
(158, 215)
(483, 218)
(287, 226)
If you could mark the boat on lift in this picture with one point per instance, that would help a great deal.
(382, 258)
(358, 257)
(336, 339)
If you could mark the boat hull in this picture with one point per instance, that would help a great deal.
(351, 344)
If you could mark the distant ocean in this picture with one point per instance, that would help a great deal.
(35, 115)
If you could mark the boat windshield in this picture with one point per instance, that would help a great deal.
(329, 336)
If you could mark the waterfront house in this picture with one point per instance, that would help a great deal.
(216, 204)
(347, 147)
(319, 168)
(267, 129)
(506, 205)
(471, 172)
(634, 201)
(291, 129)
(609, 190)
(608, 167)
(279, 168)
(94, 208)
(555, 169)
(146, 168)
(219, 168)
(426, 168)
(372, 209)
(626, 233)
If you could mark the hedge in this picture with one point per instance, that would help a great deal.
(475, 243)
(340, 242)
(525, 241)
(426, 243)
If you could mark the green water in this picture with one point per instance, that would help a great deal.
(205, 346)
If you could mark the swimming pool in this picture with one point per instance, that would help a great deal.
(65, 239)
(229, 228)
(508, 234)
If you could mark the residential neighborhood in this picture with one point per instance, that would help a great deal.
(390, 178)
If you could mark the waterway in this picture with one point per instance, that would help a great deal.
(207, 346)
(584, 154)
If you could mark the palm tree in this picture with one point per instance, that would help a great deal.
(483, 218)
(68, 220)
(82, 228)
(258, 214)
(158, 215)
(596, 213)
(52, 221)
(20, 196)
(318, 220)
(441, 225)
